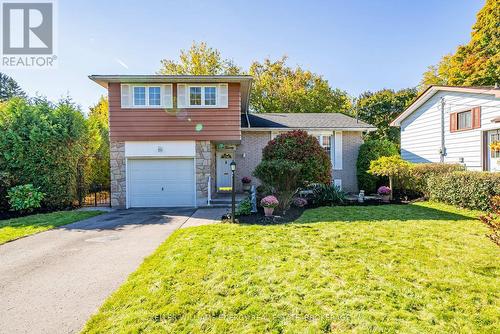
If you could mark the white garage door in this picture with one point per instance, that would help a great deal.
(161, 182)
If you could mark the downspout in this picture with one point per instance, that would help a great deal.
(442, 152)
(248, 103)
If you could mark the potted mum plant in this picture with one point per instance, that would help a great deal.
(269, 203)
(247, 183)
(385, 192)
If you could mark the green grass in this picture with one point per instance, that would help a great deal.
(422, 268)
(16, 228)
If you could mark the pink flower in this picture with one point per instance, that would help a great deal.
(269, 202)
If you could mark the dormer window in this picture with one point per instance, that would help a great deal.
(202, 96)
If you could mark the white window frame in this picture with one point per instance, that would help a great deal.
(202, 105)
(147, 105)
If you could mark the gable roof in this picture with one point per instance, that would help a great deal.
(318, 121)
(245, 81)
(429, 92)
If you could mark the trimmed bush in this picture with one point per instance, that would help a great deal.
(283, 176)
(472, 190)
(420, 174)
(304, 149)
(372, 150)
(244, 207)
(25, 198)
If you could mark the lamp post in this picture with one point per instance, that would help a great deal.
(233, 191)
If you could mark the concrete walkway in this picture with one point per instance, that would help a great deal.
(54, 281)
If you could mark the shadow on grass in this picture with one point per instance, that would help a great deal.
(119, 219)
(379, 213)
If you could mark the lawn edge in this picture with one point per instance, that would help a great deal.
(50, 229)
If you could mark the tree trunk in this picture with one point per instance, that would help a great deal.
(390, 186)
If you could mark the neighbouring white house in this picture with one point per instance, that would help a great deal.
(452, 125)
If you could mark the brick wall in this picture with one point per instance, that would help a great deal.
(351, 141)
(251, 146)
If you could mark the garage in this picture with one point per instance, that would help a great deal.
(161, 182)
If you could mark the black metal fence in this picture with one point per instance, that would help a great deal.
(97, 196)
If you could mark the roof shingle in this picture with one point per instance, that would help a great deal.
(303, 121)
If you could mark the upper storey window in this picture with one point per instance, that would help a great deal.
(146, 96)
(195, 96)
(202, 96)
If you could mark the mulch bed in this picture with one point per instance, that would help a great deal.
(279, 217)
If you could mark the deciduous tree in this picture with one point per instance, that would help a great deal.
(200, 59)
(381, 108)
(280, 88)
(476, 63)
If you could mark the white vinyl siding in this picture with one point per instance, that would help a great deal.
(421, 131)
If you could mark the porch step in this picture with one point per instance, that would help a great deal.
(224, 200)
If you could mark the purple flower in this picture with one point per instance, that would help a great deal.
(299, 202)
(246, 179)
(383, 190)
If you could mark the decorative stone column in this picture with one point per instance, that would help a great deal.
(203, 170)
(118, 178)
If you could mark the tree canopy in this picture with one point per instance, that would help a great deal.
(280, 88)
(9, 88)
(381, 108)
(98, 168)
(476, 63)
(200, 59)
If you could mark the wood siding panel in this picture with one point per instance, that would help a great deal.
(218, 124)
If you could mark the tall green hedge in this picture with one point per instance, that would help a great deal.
(469, 189)
(41, 144)
(372, 150)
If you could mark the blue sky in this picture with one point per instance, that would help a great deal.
(357, 45)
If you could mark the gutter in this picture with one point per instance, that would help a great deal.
(309, 129)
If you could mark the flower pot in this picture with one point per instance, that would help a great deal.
(247, 187)
(386, 198)
(268, 211)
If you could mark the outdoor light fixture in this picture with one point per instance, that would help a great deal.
(233, 193)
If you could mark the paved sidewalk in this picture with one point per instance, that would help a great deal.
(205, 216)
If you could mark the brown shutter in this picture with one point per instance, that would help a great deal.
(453, 122)
(476, 117)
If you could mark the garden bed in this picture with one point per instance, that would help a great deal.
(259, 218)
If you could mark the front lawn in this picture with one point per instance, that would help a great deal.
(15, 228)
(422, 268)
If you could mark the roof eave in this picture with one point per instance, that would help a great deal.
(363, 129)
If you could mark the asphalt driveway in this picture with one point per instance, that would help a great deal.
(53, 281)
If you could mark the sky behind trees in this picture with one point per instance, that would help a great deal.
(356, 45)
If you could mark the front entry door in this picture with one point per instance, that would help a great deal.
(224, 160)
(494, 155)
